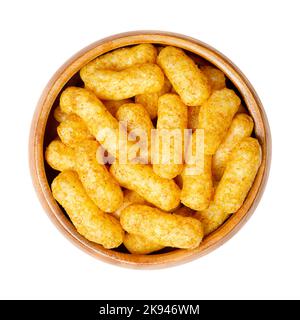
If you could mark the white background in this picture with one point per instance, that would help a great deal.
(261, 261)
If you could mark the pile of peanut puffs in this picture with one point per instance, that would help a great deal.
(149, 205)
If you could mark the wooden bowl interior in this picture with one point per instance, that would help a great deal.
(44, 131)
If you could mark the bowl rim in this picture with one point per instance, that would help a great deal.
(68, 70)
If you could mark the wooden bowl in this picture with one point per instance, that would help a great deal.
(43, 130)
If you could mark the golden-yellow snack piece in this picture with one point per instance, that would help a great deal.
(163, 193)
(59, 115)
(138, 124)
(136, 117)
(186, 78)
(129, 197)
(211, 218)
(100, 123)
(172, 115)
(193, 117)
(124, 58)
(241, 127)
(197, 188)
(150, 100)
(59, 156)
(137, 244)
(163, 228)
(99, 184)
(215, 77)
(113, 105)
(89, 220)
(215, 117)
(118, 85)
(73, 130)
(239, 175)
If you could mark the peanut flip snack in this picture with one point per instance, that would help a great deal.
(131, 169)
(90, 221)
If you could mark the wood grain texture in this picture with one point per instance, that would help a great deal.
(43, 131)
